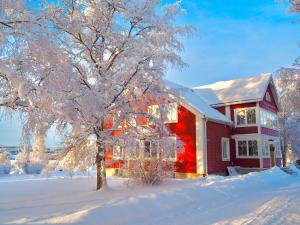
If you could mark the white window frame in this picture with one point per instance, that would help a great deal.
(165, 117)
(121, 149)
(173, 138)
(227, 140)
(246, 123)
(151, 143)
(247, 140)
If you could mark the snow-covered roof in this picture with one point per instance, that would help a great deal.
(247, 89)
(195, 101)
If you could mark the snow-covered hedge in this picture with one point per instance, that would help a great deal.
(5, 168)
(5, 165)
(33, 168)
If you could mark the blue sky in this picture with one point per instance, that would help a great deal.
(236, 38)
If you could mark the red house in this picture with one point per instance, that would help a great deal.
(228, 123)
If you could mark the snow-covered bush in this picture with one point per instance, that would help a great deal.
(33, 168)
(151, 161)
(5, 165)
(30, 162)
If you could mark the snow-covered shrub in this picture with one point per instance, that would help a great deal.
(5, 165)
(33, 168)
(22, 158)
(151, 161)
(30, 162)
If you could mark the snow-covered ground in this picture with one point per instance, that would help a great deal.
(270, 197)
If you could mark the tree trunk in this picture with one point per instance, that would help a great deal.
(101, 169)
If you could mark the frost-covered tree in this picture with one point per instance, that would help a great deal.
(288, 86)
(77, 63)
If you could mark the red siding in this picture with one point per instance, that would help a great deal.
(215, 132)
(245, 130)
(270, 132)
(185, 129)
(266, 163)
(221, 109)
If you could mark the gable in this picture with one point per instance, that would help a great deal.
(270, 100)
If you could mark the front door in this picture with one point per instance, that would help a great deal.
(272, 155)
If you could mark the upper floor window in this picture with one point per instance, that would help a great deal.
(245, 116)
(268, 119)
(167, 111)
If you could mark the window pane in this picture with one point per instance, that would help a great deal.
(154, 149)
(154, 111)
(251, 116)
(241, 117)
(253, 151)
(242, 148)
(117, 152)
(171, 112)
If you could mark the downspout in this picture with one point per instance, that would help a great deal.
(205, 143)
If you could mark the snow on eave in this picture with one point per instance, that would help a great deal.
(248, 89)
(189, 97)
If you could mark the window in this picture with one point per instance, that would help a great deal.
(171, 113)
(277, 150)
(117, 152)
(253, 150)
(247, 148)
(245, 116)
(268, 97)
(147, 149)
(131, 121)
(150, 149)
(268, 119)
(154, 111)
(225, 149)
(266, 150)
(169, 148)
(242, 148)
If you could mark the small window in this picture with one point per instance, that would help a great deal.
(268, 97)
(117, 152)
(225, 149)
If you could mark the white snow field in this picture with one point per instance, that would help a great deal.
(270, 197)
